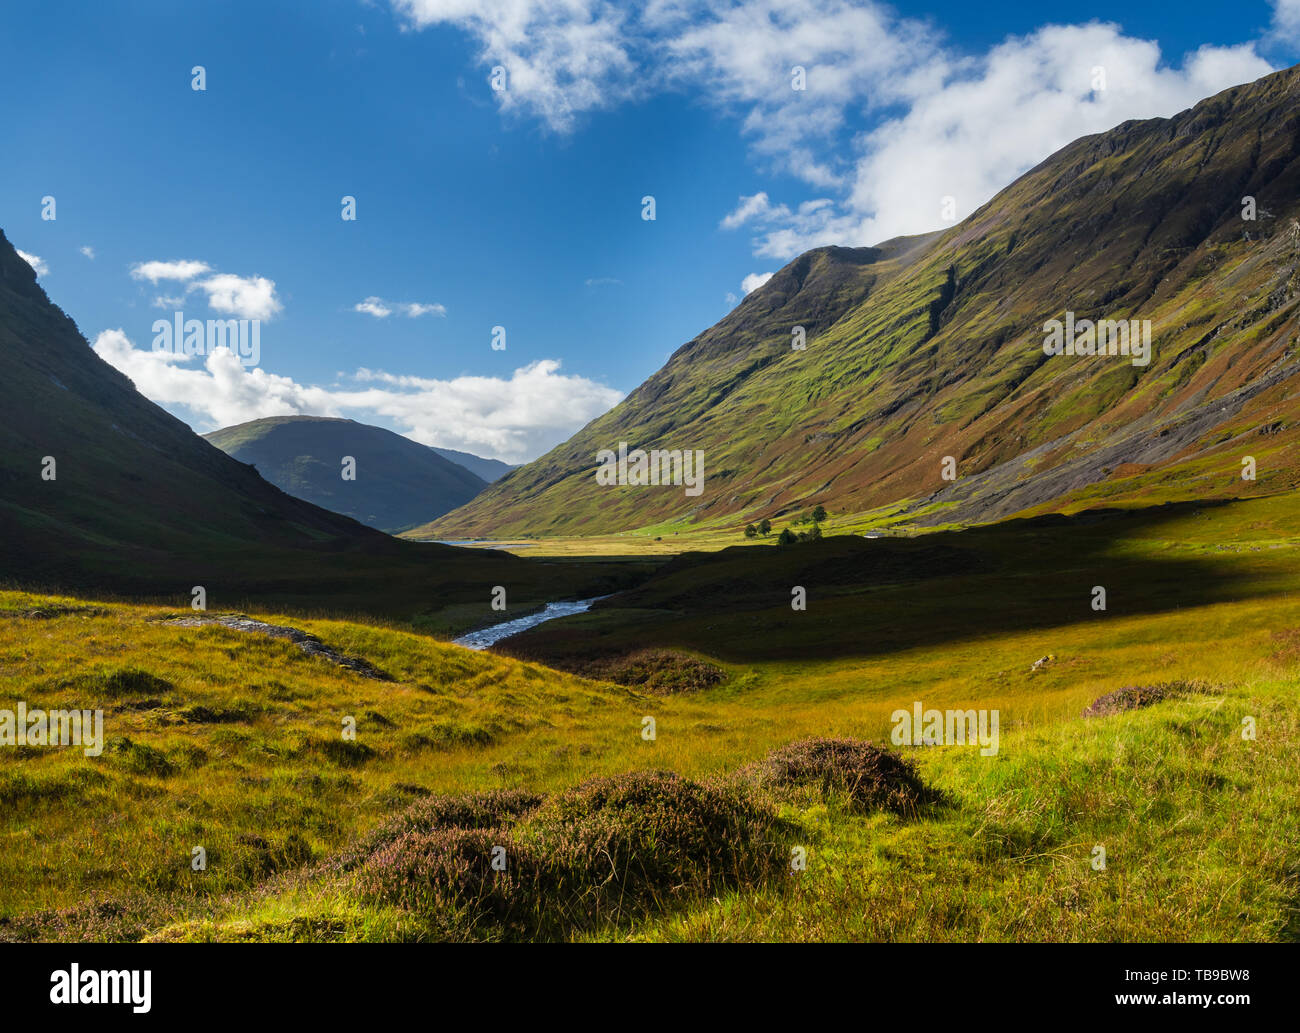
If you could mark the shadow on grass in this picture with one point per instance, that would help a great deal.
(874, 597)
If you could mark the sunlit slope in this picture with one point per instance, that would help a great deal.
(932, 346)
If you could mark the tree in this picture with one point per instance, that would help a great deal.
(786, 537)
(815, 533)
(765, 528)
(819, 514)
(750, 531)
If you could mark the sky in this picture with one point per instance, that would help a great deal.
(499, 157)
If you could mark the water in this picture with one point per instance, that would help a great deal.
(482, 543)
(485, 637)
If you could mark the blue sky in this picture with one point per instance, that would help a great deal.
(522, 207)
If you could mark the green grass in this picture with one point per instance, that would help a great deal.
(232, 742)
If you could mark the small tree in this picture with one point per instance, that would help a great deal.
(765, 528)
(815, 533)
(819, 514)
(751, 531)
(786, 537)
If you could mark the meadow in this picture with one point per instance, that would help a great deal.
(233, 742)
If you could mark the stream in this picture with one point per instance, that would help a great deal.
(489, 636)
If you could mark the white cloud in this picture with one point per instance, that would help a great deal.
(854, 57)
(414, 310)
(248, 297)
(36, 263)
(515, 418)
(748, 208)
(603, 281)
(88, 251)
(987, 122)
(381, 309)
(893, 117)
(182, 269)
(562, 57)
(754, 281)
(1286, 21)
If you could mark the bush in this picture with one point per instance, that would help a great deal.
(486, 810)
(619, 844)
(603, 851)
(872, 778)
(663, 672)
(446, 876)
(1135, 696)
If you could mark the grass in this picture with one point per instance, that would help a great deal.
(233, 742)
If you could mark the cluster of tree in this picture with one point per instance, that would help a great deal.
(787, 536)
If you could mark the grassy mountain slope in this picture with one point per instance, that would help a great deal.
(931, 346)
(398, 483)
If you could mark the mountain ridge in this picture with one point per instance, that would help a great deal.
(931, 346)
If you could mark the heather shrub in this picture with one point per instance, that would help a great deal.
(663, 672)
(483, 810)
(616, 845)
(1133, 697)
(446, 876)
(605, 850)
(872, 778)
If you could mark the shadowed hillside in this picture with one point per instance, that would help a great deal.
(397, 482)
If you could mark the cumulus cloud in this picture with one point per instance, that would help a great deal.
(754, 281)
(513, 418)
(36, 263)
(88, 251)
(1286, 21)
(561, 57)
(182, 269)
(891, 119)
(987, 122)
(248, 297)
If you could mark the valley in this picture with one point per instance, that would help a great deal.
(315, 726)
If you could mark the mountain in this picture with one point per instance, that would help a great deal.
(103, 491)
(488, 469)
(122, 473)
(398, 483)
(932, 346)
